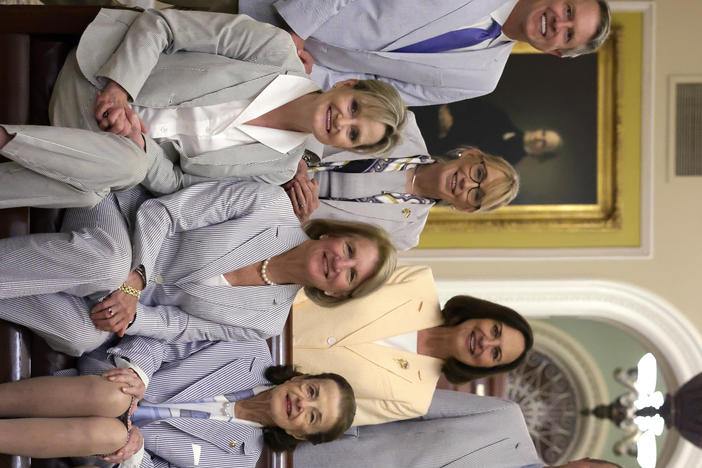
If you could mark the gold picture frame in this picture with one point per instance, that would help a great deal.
(614, 219)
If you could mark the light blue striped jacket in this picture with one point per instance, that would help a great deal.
(185, 372)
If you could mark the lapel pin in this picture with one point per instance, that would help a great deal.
(406, 212)
(402, 363)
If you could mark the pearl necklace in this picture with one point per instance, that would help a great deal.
(264, 265)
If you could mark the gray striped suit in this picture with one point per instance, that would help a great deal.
(187, 372)
(49, 282)
(460, 430)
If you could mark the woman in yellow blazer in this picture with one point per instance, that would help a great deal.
(392, 345)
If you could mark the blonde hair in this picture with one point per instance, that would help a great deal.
(387, 256)
(499, 192)
(381, 102)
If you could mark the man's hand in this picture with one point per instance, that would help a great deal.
(114, 313)
(305, 56)
(133, 445)
(133, 384)
(304, 196)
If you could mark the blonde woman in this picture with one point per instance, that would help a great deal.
(185, 97)
(398, 194)
(214, 261)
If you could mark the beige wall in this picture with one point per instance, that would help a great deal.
(674, 270)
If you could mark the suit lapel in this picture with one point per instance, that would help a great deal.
(269, 243)
(397, 212)
(266, 244)
(250, 251)
(219, 382)
(412, 367)
(459, 18)
(225, 435)
(411, 315)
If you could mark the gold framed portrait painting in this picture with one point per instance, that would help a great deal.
(572, 129)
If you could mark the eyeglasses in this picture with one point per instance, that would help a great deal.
(478, 173)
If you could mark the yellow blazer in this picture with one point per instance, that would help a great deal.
(389, 384)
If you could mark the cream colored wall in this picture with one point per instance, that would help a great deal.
(674, 270)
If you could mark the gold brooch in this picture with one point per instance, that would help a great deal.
(406, 212)
(402, 362)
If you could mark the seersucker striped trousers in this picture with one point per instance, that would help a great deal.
(49, 282)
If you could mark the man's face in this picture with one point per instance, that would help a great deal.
(555, 25)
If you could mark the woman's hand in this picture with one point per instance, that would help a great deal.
(133, 445)
(134, 386)
(114, 115)
(116, 311)
(304, 196)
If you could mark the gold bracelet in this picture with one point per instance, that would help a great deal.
(130, 290)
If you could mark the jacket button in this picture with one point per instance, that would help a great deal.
(158, 279)
(232, 444)
(331, 340)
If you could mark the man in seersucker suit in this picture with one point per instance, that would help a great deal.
(461, 430)
(416, 47)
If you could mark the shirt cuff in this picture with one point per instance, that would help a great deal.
(135, 460)
(125, 364)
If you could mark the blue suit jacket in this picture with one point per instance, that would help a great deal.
(199, 233)
(354, 39)
(188, 372)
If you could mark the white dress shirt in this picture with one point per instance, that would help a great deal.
(201, 129)
(500, 15)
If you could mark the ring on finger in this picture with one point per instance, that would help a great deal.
(109, 311)
(302, 205)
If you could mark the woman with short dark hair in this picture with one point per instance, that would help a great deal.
(393, 344)
(198, 404)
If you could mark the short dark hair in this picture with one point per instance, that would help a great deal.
(280, 441)
(457, 310)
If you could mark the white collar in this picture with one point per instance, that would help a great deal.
(501, 14)
(283, 89)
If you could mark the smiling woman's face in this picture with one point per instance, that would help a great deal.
(338, 265)
(305, 406)
(485, 343)
(338, 119)
(454, 181)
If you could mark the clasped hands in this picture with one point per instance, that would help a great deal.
(115, 312)
(134, 386)
(303, 192)
(114, 115)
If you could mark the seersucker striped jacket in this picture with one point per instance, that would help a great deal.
(198, 233)
(186, 372)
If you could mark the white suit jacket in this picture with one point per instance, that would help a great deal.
(189, 372)
(354, 39)
(389, 384)
(154, 57)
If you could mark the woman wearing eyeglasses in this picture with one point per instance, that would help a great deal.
(397, 195)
